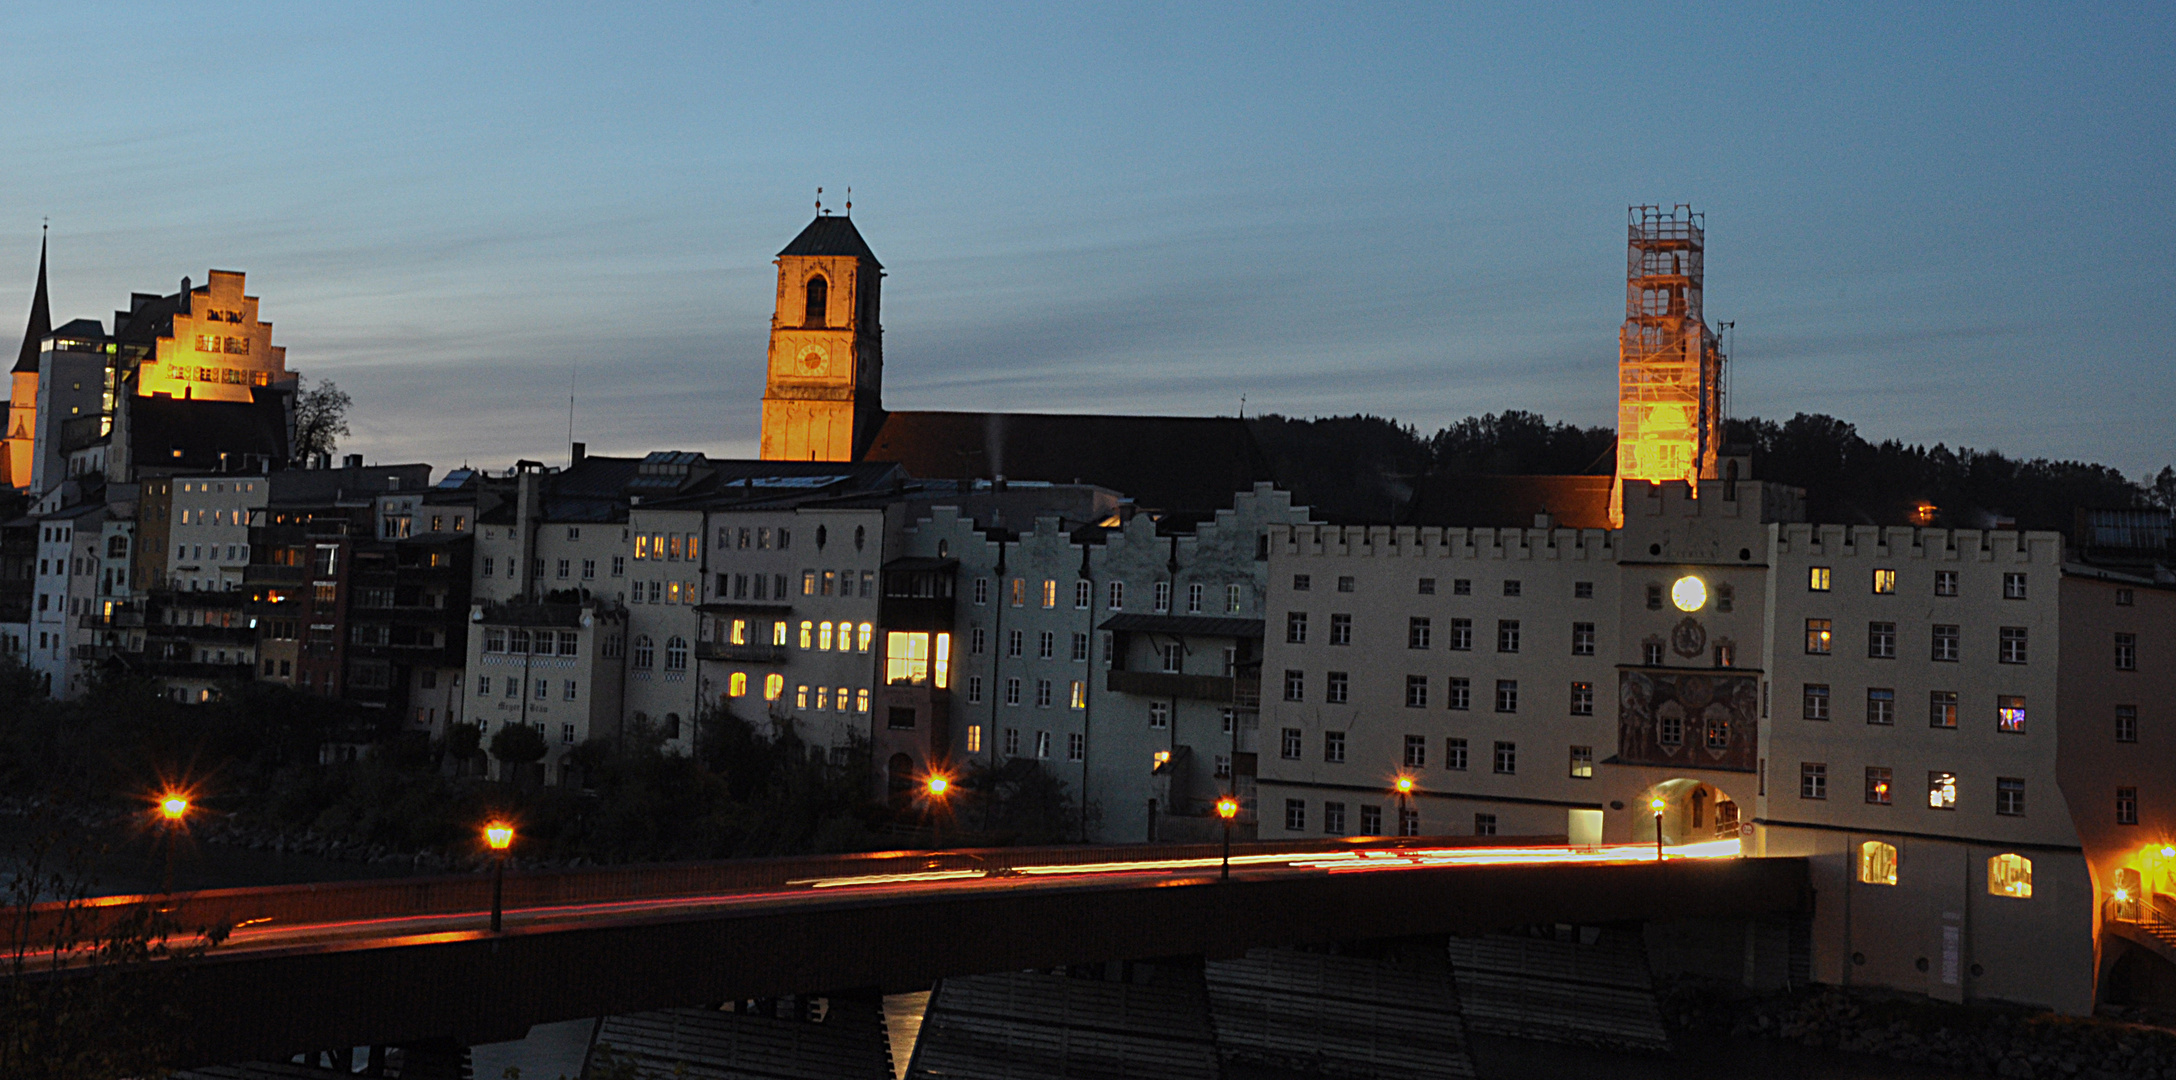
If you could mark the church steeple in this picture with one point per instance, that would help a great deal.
(41, 319)
(822, 397)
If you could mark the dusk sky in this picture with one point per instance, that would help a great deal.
(1950, 224)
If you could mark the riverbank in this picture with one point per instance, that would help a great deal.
(1983, 1039)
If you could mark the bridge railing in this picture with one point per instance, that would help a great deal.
(331, 902)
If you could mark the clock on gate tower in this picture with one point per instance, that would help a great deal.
(822, 396)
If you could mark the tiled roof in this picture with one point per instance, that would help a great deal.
(831, 235)
(1163, 462)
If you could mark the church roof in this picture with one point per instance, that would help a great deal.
(1178, 463)
(831, 235)
(41, 320)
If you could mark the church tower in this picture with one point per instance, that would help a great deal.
(823, 387)
(20, 441)
(1669, 361)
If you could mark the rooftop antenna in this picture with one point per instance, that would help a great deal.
(819, 202)
(572, 363)
(1242, 406)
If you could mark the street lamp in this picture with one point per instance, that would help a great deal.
(937, 788)
(1227, 808)
(173, 812)
(499, 836)
(1404, 787)
(1657, 803)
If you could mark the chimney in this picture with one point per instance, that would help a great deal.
(581, 450)
(351, 461)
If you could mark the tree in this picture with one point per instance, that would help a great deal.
(321, 417)
(518, 744)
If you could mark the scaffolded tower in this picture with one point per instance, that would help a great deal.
(1669, 363)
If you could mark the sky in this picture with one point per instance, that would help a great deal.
(1941, 223)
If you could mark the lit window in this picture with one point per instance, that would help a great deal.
(1942, 708)
(823, 637)
(1817, 578)
(1941, 791)
(906, 658)
(1582, 763)
(808, 633)
(1877, 785)
(974, 738)
(1079, 694)
(1050, 593)
(737, 685)
(1884, 581)
(1877, 863)
(2010, 712)
(862, 636)
(2010, 875)
(1582, 699)
(1819, 636)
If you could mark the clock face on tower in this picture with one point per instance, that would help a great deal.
(813, 359)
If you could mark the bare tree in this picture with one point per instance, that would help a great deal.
(321, 417)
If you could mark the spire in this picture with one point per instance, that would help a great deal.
(41, 318)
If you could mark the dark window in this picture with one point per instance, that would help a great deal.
(1417, 633)
(819, 293)
(1333, 746)
(1416, 691)
(901, 719)
(1461, 694)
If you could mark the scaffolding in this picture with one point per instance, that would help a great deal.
(1669, 361)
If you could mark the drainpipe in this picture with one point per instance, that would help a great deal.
(1087, 684)
(997, 645)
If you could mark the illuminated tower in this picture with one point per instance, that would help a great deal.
(21, 439)
(1669, 363)
(822, 396)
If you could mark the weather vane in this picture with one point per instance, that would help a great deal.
(849, 200)
(819, 201)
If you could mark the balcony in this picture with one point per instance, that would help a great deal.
(115, 620)
(740, 654)
(1156, 684)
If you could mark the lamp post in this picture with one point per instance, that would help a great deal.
(1404, 787)
(173, 811)
(500, 836)
(1227, 808)
(937, 788)
(1657, 803)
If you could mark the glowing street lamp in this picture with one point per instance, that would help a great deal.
(1658, 803)
(499, 836)
(936, 789)
(173, 812)
(1227, 808)
(1403, 785)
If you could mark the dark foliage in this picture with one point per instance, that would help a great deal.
(1850, 480)
(1367, 469)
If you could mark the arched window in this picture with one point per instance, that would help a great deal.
(819, 294)
(737, 686)
(822, 535)
(862, 634)
(645, 652)
(823, 636)
(2011, 876)
(1877, 863)
(676, 653)
(861, 536)
(773, 685)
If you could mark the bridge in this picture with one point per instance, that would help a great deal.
(414, 961)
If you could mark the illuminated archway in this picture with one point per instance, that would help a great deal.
(1693, 811)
